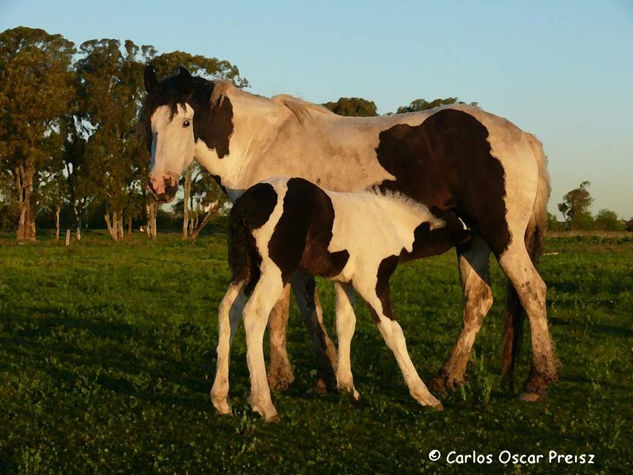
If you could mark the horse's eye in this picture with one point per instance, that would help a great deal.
(186, 123)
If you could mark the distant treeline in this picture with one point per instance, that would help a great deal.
(575, 210)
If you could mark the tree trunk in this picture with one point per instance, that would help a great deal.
(152, 208)
(114, 222)
(26, 222)
(206, 219)
(119, 231)
(186, 207)
(129, 226)
(78, 217)
(57, 211)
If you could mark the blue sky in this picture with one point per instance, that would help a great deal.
(562, 70)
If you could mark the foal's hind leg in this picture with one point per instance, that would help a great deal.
(345, 326)
(530, 287)
(394, 337)
(256, 312)
(474, 274)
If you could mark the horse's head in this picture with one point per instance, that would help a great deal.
(177, 112)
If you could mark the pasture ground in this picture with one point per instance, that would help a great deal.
(106, 352)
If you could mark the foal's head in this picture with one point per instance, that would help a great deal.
(177, 113)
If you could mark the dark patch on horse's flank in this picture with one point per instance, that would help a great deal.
(250, 211)
(304, 231)
(446, 162)
(213, 123)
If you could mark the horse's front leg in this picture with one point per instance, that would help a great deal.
(304, 288)
(279, 370)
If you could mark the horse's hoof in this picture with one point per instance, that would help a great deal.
(442, 383)
(532, 397)
(319, 387)
(274, 419)
(280, 380)
(437, 407)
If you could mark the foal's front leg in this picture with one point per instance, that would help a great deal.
(229, 317)
(345, 326)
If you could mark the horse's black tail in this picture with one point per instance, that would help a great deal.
(250, 212)
(534, 238)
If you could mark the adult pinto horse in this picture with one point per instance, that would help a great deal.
(459, 158)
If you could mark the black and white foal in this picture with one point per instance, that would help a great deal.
(356, 239)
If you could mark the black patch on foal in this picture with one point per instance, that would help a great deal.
(427, 242)
(447, 163)
(250, 211)
(304, 231)
(213, 123)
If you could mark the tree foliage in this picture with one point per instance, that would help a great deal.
(68, 127)
(352, 106)
(607, 220)
(575, 207)
(35, 90)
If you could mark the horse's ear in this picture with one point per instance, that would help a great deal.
(149, 76)
(185, 80)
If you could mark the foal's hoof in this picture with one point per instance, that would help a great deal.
(532, 397)
(437, 407)
(222, 407)
(349, 392)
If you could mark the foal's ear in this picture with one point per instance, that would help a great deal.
(149, 77)
(185, 80)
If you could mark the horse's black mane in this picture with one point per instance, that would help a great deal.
(173, 92)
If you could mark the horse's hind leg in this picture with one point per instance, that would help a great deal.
(345, 326)
(474, 274)
(530, 287)
(304, 288)
(279, 370)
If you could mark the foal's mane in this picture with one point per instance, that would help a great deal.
(403, 200)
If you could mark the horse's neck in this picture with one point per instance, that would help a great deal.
(284, 137)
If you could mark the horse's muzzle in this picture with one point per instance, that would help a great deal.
(163, 192)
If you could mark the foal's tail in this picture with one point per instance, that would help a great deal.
(244, 258)
(534, 236)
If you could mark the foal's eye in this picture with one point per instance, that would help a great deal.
(186, 123)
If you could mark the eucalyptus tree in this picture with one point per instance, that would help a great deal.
(110, 78)
(35, 90)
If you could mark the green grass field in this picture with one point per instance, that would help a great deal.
(107, 351)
